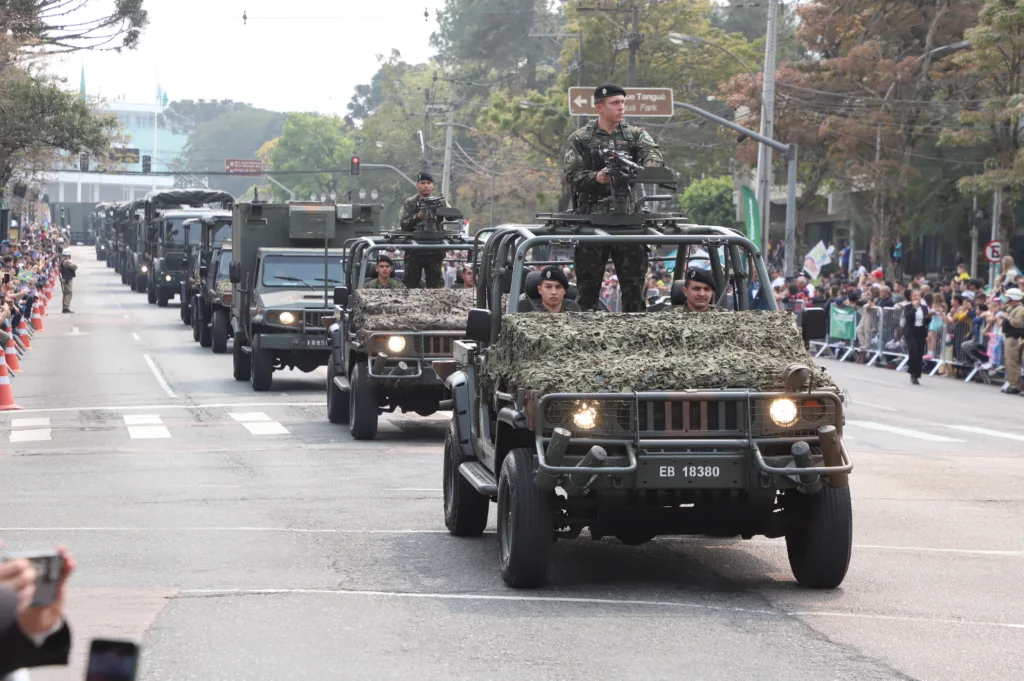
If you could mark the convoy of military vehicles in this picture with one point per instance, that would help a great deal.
(597, 424)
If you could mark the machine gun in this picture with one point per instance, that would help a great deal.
(429, 206)
(621, 170)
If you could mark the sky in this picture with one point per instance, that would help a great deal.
(299, 55)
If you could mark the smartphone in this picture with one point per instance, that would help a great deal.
(49, 565)
(111, 660)
(7, 278)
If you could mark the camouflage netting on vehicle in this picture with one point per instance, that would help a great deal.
(672, 350)
(412, 309)
(223, 286)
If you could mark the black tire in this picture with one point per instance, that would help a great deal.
(219, 332)
(141, 283)
(205, 332)
(196, 320)
(133, 283)
(635, 537)
(465, 509)
(242, 366)
(262, 367)
(337, 399)
(186, 310)
(151, 293)
(162, 298)
(362, 405)
(525, 523)
(820, 540)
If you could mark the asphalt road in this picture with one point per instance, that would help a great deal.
(242, 536)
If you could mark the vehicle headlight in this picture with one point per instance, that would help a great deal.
(585, 417)
(168, 277)
(396, 344)
(783, 411)
(144, 268)
(287, 318)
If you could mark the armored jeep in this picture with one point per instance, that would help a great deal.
(643, 424)
(203, 239)
(384, 342)
(287, 260)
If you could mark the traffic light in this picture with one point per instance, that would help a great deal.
(147, 164)
(355, 165)
(83, 162)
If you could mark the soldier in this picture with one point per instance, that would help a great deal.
(383, 279)
(429, 264)
(552, 288)
(1013, 336)
(700, 290)
(590, 182)
(67, 276)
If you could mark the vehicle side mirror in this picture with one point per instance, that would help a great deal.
(341, 296)
(235, 272)
(814, 323)
(678, 293)
(478, 326)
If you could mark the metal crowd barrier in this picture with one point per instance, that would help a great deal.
(888, 343)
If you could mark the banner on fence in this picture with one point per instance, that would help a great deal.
(843, 324)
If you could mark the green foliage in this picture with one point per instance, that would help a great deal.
(186, 115)
(236, 134)
(55, 27)
(710, 202)
(309, 142)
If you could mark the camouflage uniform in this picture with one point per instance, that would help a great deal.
(393, 284)
(429, 264)
(581, 163)
(66, 282)
(1013, 343)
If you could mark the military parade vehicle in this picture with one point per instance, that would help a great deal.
(165, 213)
(123, 238)
(210, 304)
(643, 424)
(384, 341)
(101, 228)
(288, 258)
(200, 242)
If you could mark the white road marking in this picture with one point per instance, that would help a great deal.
(249, 416)
(414, 489)
(906, 432)
(32, 435)
(30, 423)
(944, 621)
(115, 300)
(135, 336)
(159, 377)
(269, 428)
(989, 432)
(142, 420)
(127, 317)
(147, 407)
(148, 432)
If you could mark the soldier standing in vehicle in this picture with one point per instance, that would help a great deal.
(416, 264)
(383, 280)
(67, 276)
(590, 181)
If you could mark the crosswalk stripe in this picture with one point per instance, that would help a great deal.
(142, 420)
(268, 428)
(148, 432)
(989, 432)
(249, 416)
(30, 423)
(32, 435)
(906, 432)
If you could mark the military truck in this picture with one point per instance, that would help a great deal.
(165, 213)
(643, 424)
(287, 260)
(211, 304)
(200, 242)
(101, 227)
(384, 342)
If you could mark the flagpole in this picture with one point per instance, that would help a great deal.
(156, 141)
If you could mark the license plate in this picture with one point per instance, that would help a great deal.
(318, 342)
(688, 471)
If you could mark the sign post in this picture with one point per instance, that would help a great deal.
(245, 167)
(641, 102)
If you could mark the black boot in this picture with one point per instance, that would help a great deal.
(913, 379)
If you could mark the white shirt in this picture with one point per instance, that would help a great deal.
(919, 317)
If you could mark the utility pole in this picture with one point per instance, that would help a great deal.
(997, 208)
(426, 130)
(633, 37)
(446, 174)
(764, 157)
(974, 237)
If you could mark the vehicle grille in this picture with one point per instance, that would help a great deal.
(426, 345)
(685, 417)
(315, 317)
(438, 346)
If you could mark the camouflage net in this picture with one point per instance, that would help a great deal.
(671, 350)
(223, 286)
(412, 309)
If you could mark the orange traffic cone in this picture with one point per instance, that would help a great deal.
(6, 393)
(37, 319)
(23, 334)
(11, 354)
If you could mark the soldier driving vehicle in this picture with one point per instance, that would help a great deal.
(209, 302)
(202, 237)
(287, 258)
(386, 337)
(420, 213)
(636, 425)
(593, 155)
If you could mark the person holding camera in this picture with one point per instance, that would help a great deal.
(427, 265)
(32, 633)
(67, 276)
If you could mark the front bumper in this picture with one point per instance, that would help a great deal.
(415, 361)
(296, 342)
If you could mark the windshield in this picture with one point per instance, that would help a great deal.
(175, 232)
(220, 233)
(303, 271)
(223, 263)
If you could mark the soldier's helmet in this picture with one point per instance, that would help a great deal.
(66, 253)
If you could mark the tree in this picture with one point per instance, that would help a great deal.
(184, 116)
(710, 202)
(996, 119)
(313, 142)
(237, 134)
(60, 26)
(37, 115)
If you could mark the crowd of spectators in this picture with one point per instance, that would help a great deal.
(25, 266)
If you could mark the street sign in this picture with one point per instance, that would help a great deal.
(248, 167)
(649, 102)
(992, 252)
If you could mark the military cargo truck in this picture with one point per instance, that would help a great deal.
(166, 211)
(202, 237)
(287, 260)
(101, 227)
(211, 304)
(384, 341)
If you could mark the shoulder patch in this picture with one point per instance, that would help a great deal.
(570, 156)
(645, 137)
